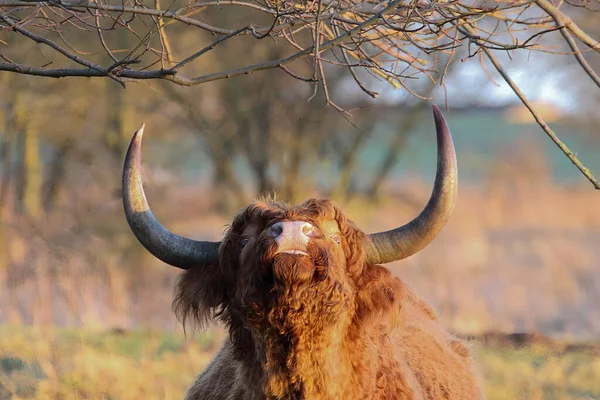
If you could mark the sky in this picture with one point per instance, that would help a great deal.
(543, 77)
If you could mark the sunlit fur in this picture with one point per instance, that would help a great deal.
(326, 326)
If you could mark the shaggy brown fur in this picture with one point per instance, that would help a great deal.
(326, 326)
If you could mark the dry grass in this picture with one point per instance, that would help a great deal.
(78, 364)
(537, 373)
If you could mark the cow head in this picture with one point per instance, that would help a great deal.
(280, 267)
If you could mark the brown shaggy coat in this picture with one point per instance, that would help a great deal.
(327, 326)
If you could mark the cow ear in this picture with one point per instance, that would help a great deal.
(199, 295)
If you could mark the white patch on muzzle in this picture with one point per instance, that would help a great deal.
(291, 236)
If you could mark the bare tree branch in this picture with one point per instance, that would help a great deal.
(395, 30)
(397, 41)
(563, 147)
(560, 22)
(86, 72)
(563, 20)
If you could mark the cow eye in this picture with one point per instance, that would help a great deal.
(245, 241)
(337, 239)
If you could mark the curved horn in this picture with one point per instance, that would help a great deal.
(402, 242)
(174, 250)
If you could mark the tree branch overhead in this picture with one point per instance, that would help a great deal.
(395, 41)
(373, 34)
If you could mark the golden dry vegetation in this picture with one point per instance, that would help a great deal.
(83, 364)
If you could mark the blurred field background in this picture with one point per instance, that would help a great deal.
(85, 311)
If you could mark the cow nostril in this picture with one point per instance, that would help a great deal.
(307, 229)
(276, 229)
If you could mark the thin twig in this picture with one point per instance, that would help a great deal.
(162, 34)
(40, 39)
(563, 147)
(576, 52)
(579, 57)
(568, 23)
(356, 78)
(294, 75)
(129, 10)
(209, 47)
(101, 37)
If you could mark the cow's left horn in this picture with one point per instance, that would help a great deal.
(402, 242)
(173, 249)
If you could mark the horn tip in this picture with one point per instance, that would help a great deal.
(140, 130)
(133, 192)
(136, 139)
(134, 145)
(440, 121)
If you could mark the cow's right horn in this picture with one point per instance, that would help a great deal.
(175, 250)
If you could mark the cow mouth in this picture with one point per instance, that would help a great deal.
(296, 256)
(296, 252)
